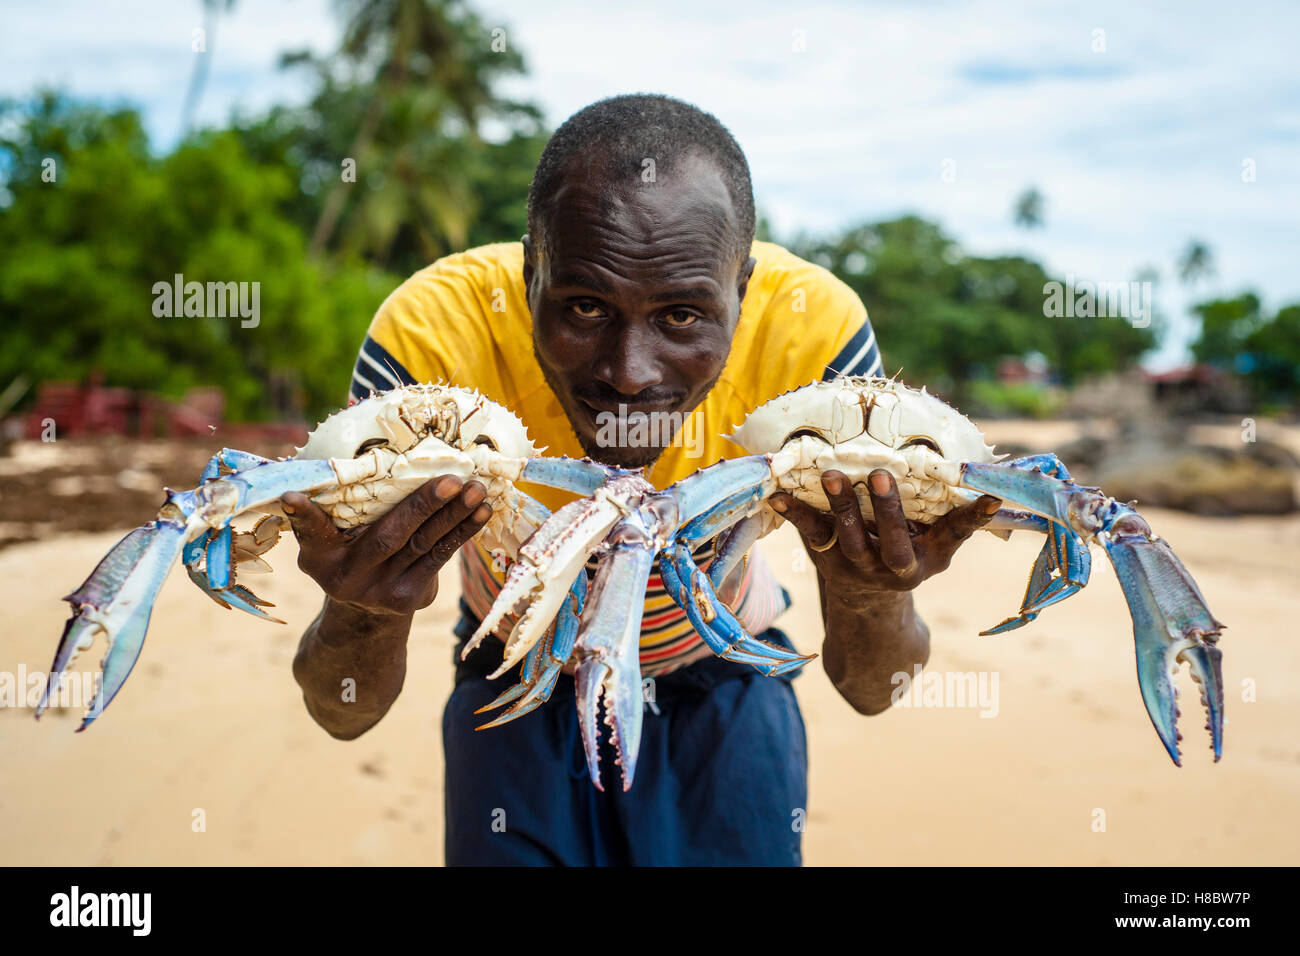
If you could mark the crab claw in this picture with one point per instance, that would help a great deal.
(1171, 622)
(611, 666)
(549, 561)
(1171, 625)
(609, 636)
(118, 597)
(116, 601)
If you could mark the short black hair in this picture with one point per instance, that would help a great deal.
(625, 130)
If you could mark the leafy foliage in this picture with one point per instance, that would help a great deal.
(407, 99)
(85, 250)
(1236, 336)
(411, 96)
(947, 318)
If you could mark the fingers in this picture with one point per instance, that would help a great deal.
(309, 521)
(390, 534)
(813, 526)
(848, 515)
(947, 534)
(432, 561)
(896, 550)
(440, 524)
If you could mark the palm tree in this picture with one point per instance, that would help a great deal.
(432, 69)
(1028, 209)
(1196, 263)
(202, 61)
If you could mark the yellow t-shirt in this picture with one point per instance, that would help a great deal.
(465, 320)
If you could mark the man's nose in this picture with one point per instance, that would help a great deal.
(628, 365)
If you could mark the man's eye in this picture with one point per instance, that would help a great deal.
(587, 310)
(680, 319)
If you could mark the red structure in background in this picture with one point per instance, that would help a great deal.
(83, 409)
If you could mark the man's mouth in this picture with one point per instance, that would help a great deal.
(625, 409)
(630, 434)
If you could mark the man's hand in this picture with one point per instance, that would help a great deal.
(898, 560)
(873, 633)
(351, 661)
(392, 565)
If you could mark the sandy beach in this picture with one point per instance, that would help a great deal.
(1064, 769)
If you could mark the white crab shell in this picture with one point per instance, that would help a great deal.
(856, 425)
(386, 446)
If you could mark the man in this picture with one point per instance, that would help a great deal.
(638, 289)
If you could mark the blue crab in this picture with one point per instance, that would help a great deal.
(854, 425)
(357, 464)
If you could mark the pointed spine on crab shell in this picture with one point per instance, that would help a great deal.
(843, 409)
(323, 442)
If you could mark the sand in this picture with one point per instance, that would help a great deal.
(211, 720)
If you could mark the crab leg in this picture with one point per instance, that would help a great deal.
(1171, 622)
(713, 498)
(1063, 566)
(717, 626)
(722, 516)
(532, 685)
(220, 499)
(580, 475)
(1008, 520)
(544, 662)
(217, 578)
(232, 459)
(1061, 569)
(118, 597)
(720, 503)
(731, 548)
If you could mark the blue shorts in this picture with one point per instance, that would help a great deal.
(722, 776)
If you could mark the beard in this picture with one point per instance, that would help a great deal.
(620, 456)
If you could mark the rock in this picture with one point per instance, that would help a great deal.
(1272, 453)
(1085, 452)
(1202, 479)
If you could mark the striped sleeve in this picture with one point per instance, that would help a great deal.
(860, 355)
(376, 371)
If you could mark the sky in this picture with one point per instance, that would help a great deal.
(1135, 124)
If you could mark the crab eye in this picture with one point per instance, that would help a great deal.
(809, 432)
(926, 442)
(368, 444)
(484, 440)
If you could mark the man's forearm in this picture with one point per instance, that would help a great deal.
(868, 641)
(345, 644)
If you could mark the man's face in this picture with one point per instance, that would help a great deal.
(634, 306)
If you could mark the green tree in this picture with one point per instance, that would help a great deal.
(1238, 337)
(947, 318)
(1226, 325)
(410, 89)
(85, 250)
(1274, 351)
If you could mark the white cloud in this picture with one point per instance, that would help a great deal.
(1137, 149)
